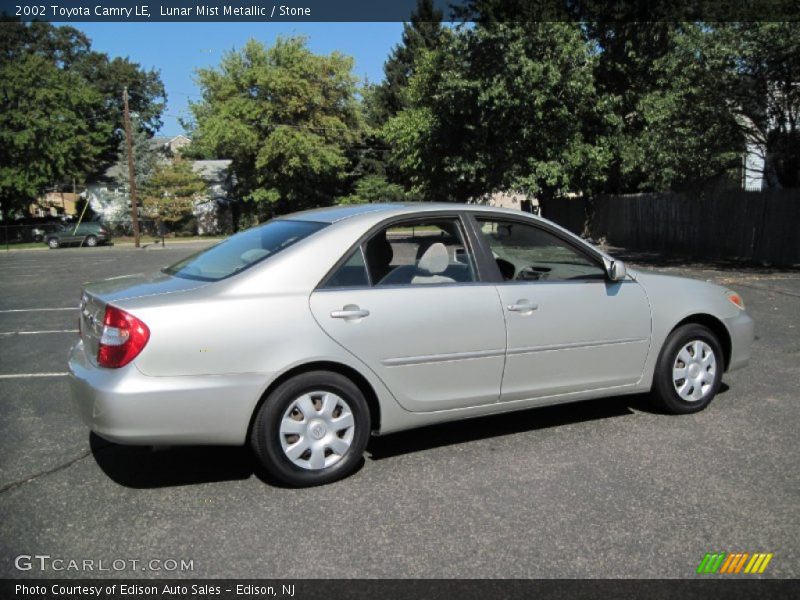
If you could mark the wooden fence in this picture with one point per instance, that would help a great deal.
(759, 227)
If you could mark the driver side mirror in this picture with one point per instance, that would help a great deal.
(616, 270)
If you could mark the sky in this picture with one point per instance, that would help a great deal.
(177, 49)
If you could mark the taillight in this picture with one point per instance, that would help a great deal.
(124, 336)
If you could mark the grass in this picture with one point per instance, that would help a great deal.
(23, 245)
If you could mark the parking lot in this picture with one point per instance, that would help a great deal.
(607, 488)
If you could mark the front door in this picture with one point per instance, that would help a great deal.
(570, 329)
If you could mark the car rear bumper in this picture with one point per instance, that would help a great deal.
(128, 407)
(741, 328)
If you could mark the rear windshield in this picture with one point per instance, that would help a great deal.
(243, 250)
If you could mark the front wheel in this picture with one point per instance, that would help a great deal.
(312, 429)
(689, 370)
(53, 243)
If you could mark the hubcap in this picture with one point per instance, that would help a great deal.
(316, 430)
(694, 371)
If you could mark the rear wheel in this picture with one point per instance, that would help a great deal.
(689, 370)
(312, 429)
(90, 241)
(53, 242)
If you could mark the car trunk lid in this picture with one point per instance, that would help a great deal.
(96, 296)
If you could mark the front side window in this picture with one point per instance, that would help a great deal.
(243, 250)
(410, 253)
(527, 253)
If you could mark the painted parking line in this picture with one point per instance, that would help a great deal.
(32, 375)
(38, 332)
(17, 310)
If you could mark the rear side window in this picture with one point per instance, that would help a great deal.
(243, 250)
(408, 253)
(353, 273)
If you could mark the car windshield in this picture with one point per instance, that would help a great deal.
(243, 250)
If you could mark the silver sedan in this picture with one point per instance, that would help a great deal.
(306, 334)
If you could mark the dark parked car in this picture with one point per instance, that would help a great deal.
(89, 233)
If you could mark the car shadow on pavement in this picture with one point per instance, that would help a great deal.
(471, 430)
(142, 467)
(145, 467)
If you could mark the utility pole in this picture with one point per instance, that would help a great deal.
(131, 169)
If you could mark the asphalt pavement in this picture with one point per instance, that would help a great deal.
(607, 488)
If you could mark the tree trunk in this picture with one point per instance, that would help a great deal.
(588, 211)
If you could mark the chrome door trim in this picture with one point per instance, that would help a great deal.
(434, 358)
(532, 349)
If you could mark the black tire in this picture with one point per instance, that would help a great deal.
(664, 393)
(265, 436)
(90, 241)
(53, 243)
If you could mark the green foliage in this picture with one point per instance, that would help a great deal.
(423, 32)
(144, 155)
(375, 188)
(44, 133)
(170, 192)
(764, 93)
(555, 107)
(502, 106)
(285, 117)
(61, 108)
(666, 81)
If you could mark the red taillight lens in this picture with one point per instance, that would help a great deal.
(124, 337)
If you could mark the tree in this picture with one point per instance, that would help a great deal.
(285, 117)
(375, 188)
(503, 106)
(422, 33)
(69, 50)
(764, 93)
(171, 191)
(666, 84)
(44, 133)
(60, 108)
(145, 157)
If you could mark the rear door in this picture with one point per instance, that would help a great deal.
(570, 329)
(70, 234)
(409, 304)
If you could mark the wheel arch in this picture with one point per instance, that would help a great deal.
(717, 327)
(357, 378)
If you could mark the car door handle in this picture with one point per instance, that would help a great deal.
(349, 312)
(523, 306)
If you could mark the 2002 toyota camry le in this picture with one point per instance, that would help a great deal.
(304, 335)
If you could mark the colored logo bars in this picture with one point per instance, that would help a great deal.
(734, 563)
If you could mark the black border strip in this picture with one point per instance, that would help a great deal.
(255, 11)
(701, 587)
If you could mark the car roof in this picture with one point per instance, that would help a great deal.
(332, 214)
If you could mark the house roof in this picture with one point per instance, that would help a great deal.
(213, 171)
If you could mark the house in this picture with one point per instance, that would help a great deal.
(213, 212)
(762, 166)
(54, 204)
(108, 195)
(513, 200)
(170, 147)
